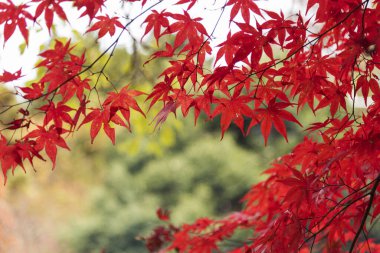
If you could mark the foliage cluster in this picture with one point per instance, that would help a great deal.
(322, 196)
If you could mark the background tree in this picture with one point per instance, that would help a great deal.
(322, 196)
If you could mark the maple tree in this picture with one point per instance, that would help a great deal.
(323, 196)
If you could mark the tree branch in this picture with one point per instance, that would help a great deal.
(370, 202)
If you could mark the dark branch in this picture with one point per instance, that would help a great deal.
(369, 205)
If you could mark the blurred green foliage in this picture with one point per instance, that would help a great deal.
(203, 177)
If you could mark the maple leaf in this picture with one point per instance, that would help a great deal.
(184, 100)
(161, 117)
(9, 157)
(191, 3)
(81, 110)
(186, 27)
(203, 103)
(280, 22)
(18, 123)
(50, 7)
(160, 90)
(105, 25)
(48, 140)
(97, 118)
(35, 91)
(55, 78)
(9, 77)
(162, 214)
(13, 155)
(14, 16)
(57, 113)
(300, 189)
(339, 125)
(245, 7)
(183, 71)
(92, 7)
(155, 241)
(334, 97)
(156, 21)
(75, 87)
(233, 109)
(227, 49)
(274, 114)
(365, 86)
(168, 52)
(121, 102)
(54, 57)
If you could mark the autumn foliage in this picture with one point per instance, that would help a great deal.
(322, 197)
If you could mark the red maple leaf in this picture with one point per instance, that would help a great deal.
(188, 28)
(92, 7)
(9, 77)
(233, 109)
(163, 214)
(97, 118)
(59, 114)
(168, 52)
(161, 91)
(33, 92)
(54, 57)
(156, 21)
(116, 102)
(50, 7)
(275, 114)
(102, 118)
(48, 140)
(161, 117)
(18, 123)
(123, 101)
(191, 3)
(14, 16)
(105, 25)
(13, 155)
(9, 158)
(245, 7)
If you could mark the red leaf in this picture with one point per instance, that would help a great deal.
(186, 28)
(48, 140)
(92, 7)
(34, 92)
(59, 114)
(14, 16)
(233, 109)
(97, 119)
(164, 113)
(110, 132)
(8, 76)
(156, 21)
(105, 25)
(245, 7)
(163, 215)
(50, 8)
(274, 113)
